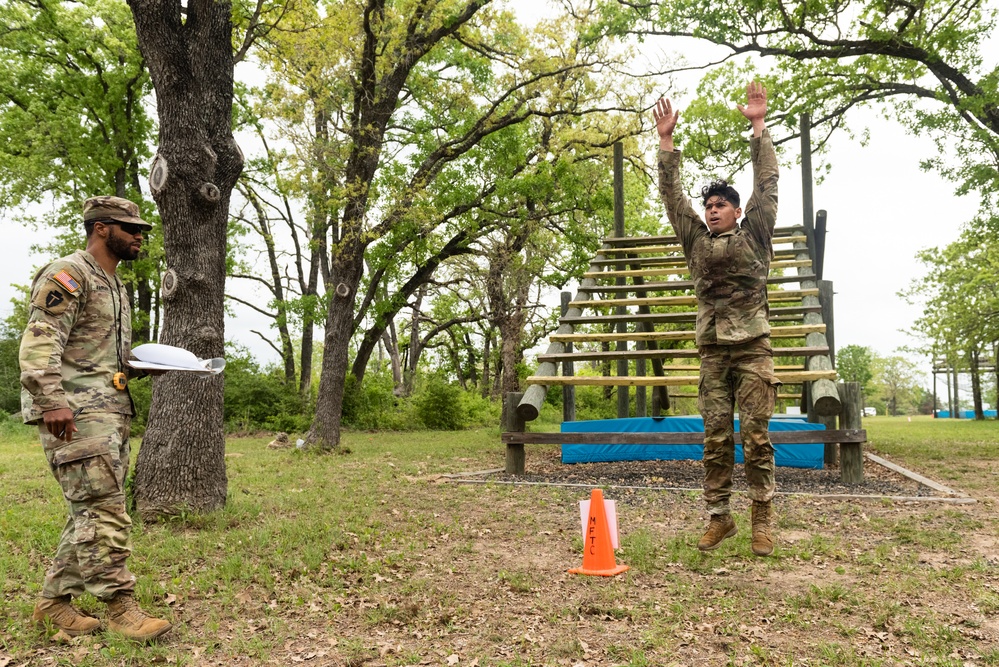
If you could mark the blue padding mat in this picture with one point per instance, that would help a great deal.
(793, 456)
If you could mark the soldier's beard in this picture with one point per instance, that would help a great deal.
(121, 248)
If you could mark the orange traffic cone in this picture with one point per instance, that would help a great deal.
(598, 554)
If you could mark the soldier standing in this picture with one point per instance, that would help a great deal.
(74, 387)
(729, 265)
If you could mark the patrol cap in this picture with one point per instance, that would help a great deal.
(113, 208)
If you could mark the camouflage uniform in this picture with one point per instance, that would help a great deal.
(78, 337)
(729, 272)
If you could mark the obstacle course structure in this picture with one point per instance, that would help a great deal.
(637, 290)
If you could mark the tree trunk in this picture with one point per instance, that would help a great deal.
(486, 352)
(181, 464)
(345, 269)
(143, 305)
(976, 385)
(391, 342)
(473, 367)
(956, 414)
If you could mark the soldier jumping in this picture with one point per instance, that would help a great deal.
(729, 264)
(74, 386)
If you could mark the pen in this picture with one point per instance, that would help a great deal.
(76, 413)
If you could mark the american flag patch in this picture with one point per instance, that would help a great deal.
(67, 281)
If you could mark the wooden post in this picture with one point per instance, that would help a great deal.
(641, 410)
(830, 455)
(851, 455)
(535, 394)
(821, 217)
(826, 300)
(623, 399)
(515, 458)
(956, 414)
(568, 391)
(821, 397)
(807, 206)
(934, 390)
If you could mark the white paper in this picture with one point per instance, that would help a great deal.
(610, 509)
(157, 357)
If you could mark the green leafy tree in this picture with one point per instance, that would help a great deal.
(959, 294)
(191, 49)
(407, 126)
(896, 382)
(75, 122)
(854, 363)
(928, 62)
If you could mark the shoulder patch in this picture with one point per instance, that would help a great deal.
(52, 298)
(67, 281)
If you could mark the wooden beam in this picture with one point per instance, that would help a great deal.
(787, 377)
(780, 397)
(666, 249)
(773, 296)
(680, 270)
(795, 331)
(615, 241)
(673, 260)
(687, 353)
(678, 437)
(777, 314)
(677, 285)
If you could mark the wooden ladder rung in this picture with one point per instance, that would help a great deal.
(795, 331)
(680, 270)
(787, 377)
(688, 353)
(679, 285)
(773, 296)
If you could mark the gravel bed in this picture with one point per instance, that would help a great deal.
(544, 466)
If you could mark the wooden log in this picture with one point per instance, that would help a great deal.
(686, 300)
(568, 369)
(617, 241)
(672, 260)
(622, 327)
(666, 380)
(777, 314)
(797, 331)
(830, 455)
(822, 394)
(678, 285)
(530, 405)
(687, 353)
(676, 248)
(678, 270)
(679, 437)
(780, 397)
(851, 454)
(826, 299)
(515, 456)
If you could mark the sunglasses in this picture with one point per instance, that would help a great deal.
(129, 228)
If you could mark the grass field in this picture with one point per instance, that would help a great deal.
(372, 558)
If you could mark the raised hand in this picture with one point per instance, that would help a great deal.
(756, 105)
(665, 117)
(665, 122)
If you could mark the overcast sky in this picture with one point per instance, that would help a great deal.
(882, 210)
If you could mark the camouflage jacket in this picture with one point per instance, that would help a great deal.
(78, 315)
(729, 270)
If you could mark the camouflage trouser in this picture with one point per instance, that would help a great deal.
(96, 540)
(742, 374)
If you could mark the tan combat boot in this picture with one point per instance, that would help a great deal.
(721, 526)
(62, 615)
(125, 617)
(763, 541)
